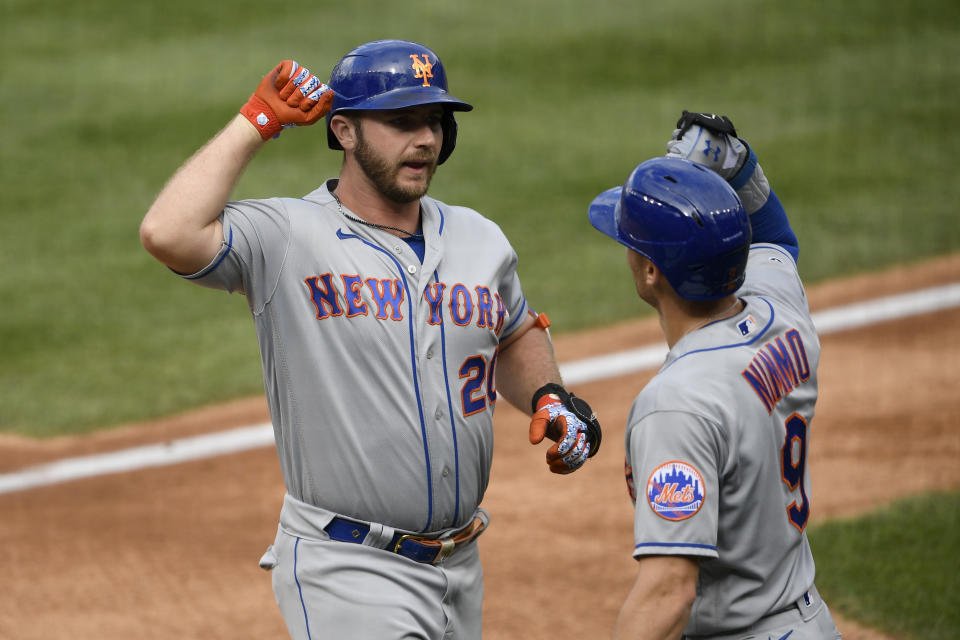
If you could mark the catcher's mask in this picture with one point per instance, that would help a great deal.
(686, 219)
(393, 74)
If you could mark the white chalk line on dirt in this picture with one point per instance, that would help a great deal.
(578, 372)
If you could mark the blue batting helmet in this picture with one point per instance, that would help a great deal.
(393, 74)
(686, 219)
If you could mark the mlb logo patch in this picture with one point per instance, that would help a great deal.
(747, 326)
(675, 490)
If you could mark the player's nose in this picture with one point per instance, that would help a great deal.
(428, 134)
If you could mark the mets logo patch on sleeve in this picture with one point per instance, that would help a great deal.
(675, 490)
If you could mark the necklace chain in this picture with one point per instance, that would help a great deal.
(715, 316)
(382, 227)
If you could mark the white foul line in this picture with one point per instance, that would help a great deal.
(153, 455)
(839, 319)
(577, 372)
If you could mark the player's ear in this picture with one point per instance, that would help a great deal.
(658, 275)
(345, 129)
(640, 267)
(649, 272)
(657, 279)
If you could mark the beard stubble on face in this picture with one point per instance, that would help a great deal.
(384, 176)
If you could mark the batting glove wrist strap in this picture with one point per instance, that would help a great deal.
(262, 117)
(750, 183)
(550, 387)
(575, 405)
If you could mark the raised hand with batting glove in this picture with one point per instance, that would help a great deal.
(288, 96)
(570, 422)
(711, 140)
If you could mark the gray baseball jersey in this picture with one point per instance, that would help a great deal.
(717, 448)
(378, 368)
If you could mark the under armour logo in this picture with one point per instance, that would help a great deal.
(423, 68)
(708, 150)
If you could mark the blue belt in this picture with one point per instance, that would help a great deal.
(412, 546)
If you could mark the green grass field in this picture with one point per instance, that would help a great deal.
(895, 569)
(851, 106)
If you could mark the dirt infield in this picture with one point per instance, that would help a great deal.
(172, 552)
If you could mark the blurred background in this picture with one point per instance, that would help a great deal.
(851, 107)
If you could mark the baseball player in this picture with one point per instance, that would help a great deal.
(389, 325)
(717, 444)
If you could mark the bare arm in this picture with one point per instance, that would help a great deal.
(181, 229)
(525, 363)
(658, 605)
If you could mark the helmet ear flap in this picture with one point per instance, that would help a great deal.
(449, 126)
(332, 141)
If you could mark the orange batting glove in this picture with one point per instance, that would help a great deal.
(569, 422)
(287, 96)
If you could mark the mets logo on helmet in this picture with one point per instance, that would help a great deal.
(675, 490)
(423, 68)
